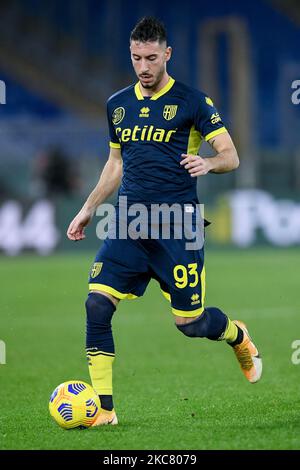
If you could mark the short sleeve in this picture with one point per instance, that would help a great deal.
(207, 119)
(114, 141)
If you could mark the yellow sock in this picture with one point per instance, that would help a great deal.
(231, 332)
(100, 368)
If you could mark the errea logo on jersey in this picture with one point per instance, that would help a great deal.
(144, 112)
(146, 133)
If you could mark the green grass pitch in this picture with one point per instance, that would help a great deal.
(171, 392)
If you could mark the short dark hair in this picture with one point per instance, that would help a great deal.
(150, 29)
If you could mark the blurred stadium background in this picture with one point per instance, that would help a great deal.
(59, 62)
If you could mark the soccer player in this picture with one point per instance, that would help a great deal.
(156, 128)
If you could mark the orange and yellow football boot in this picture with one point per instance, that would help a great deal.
(105, 417)
(248, 356)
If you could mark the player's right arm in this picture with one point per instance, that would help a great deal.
(109, 181)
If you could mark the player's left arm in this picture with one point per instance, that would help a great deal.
(226, 158)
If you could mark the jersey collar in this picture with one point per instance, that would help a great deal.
(157, 95)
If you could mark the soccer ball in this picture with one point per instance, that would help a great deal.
(74, 404)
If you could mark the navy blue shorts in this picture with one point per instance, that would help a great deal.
(124, 267)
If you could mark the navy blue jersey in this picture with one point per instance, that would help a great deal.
(153, 132)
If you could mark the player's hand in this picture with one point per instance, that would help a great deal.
(196, 166)
(76, 228)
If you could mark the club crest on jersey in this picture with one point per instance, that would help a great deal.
(118, 115)
(170, 111)
(96, 269)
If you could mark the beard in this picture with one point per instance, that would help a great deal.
(147, 85)
(153, 85)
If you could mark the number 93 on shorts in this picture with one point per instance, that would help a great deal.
(124, 268)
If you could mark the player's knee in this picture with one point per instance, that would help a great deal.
(197, 328)
(99, 312)
(99, 309)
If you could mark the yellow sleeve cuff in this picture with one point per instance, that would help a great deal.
(209, 136)
(113, 145)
